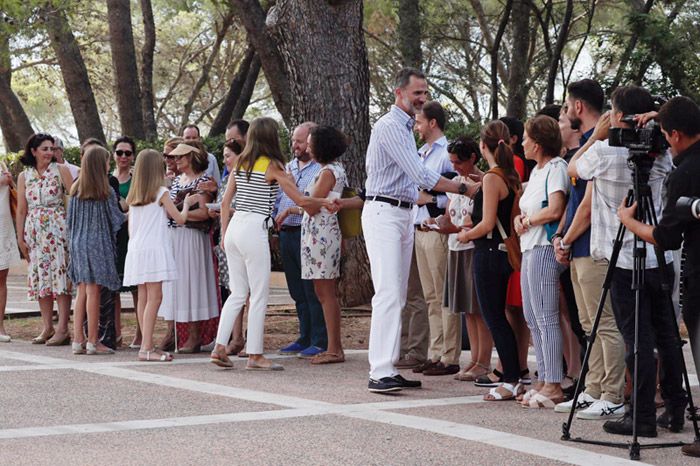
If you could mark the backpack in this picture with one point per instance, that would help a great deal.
(512, 242)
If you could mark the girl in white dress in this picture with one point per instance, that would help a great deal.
(9, 254)
(150, 259)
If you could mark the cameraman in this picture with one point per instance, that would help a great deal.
(612, 178)
(680, 124)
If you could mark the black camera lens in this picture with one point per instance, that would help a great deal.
(688, 207)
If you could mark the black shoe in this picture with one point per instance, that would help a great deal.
(485, 380)
(405, 383)
(384, 385)
(426, 365)
(442, 369)
(672, 419)
(623, 426)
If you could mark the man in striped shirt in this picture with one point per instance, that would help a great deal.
(394, 174)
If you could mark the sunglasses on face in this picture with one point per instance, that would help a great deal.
(168, 156)
(123, 153)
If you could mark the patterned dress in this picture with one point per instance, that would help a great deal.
(320, 234)
(45, 233)
(9, 254)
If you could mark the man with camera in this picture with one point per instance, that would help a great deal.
(680, 124)
(608, 167)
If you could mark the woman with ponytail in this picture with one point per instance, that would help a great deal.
(492, 206)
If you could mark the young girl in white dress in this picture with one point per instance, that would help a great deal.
(150, 259)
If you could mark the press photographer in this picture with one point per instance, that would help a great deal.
(679, 119)
(608, 168)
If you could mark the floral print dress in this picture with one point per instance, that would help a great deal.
(45, 233)
(320, 234)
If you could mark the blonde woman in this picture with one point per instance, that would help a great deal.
(93, 221)
(150, 259)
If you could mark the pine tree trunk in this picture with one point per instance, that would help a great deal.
(14, 122)
(518, 70)
(223, 117)
(410, 33)
(121, 39)
(323, 49)
(75, 76)
(150, 128)
(247, 91)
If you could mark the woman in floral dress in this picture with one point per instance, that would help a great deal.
(9, 254)
(42, 234)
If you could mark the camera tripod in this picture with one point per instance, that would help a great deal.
(641, 163)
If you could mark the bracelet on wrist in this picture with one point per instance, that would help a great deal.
(557, 235)
(564, 246)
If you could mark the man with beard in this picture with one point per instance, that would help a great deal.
(312, 328)
(394, 174)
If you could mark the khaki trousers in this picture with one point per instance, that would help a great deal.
(445, 327)
(606, 364)
(415, 332)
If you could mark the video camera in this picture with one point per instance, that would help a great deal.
(688, 207)
(648, 138)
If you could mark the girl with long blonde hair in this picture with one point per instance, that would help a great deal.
(150, 259)
(93, 221)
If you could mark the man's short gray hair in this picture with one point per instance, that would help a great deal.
(307, 125)
(404, 76)
(58, 142)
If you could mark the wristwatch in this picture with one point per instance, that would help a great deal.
(463, 188)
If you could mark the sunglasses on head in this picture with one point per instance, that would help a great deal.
(123, 153)
(453, 145)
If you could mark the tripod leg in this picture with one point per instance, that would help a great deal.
(617, 246)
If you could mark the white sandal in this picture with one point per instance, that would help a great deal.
(497, 396)
(164, 356)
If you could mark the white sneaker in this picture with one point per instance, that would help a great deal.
(602, 409)
(584, 401)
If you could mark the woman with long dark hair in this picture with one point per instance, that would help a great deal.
(492, 211)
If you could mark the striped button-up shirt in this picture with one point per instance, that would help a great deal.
(394, 168)
(303, 177)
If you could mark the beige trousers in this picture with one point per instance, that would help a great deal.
(445, 327)
(606, 364)
(415, 333)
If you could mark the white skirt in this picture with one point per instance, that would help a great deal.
(191, 297)
(150, 265)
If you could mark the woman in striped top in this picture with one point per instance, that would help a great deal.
(256, 177)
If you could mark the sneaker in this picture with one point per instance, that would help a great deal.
(602, 409)
(384, 385)
(310, 352)
(584, 401)
(292, 348)
(623, 426)
(405, 383)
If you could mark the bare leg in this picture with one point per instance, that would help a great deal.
(572, 350)
(118, 318)
(194, 337)
(3, 299)
(485, 347)
(92, 290)
(169, 337)
(516, 319)
(141, 307)
(473, 335)
(63, 301)
(326, 293)
(237, 342)
(79, 315)
(46, 309)
(152, 294)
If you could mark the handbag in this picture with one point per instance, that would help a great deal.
(511, 242)
(201, 225)
(350, 220)
(551, 227)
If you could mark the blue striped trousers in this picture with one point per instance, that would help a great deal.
(539, 281)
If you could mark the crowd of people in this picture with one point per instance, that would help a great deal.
(502, 242)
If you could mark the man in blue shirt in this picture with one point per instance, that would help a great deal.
(312, 327)
(603, 397)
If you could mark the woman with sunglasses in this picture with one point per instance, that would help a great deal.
(42, 234)
(123, 155)
(171, 171)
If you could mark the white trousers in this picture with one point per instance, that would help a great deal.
(248, 255)
(388, 234)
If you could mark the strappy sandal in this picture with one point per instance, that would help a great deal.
(42, 338)
(485, 380)
(470, 375)
(540, 401)
(221, 361)
(328, 358)
(495, 395)
(163, 356)
(525, 398)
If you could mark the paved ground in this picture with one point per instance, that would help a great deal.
(56, 407)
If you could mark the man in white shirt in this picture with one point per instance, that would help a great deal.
(58, 153)
(608, 168)
(431, 249)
